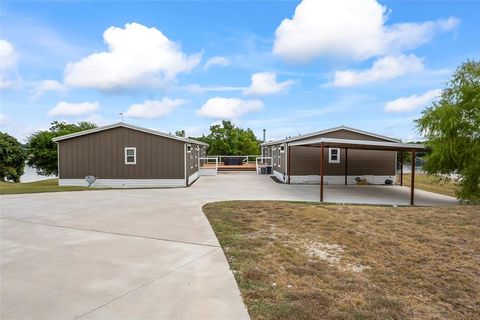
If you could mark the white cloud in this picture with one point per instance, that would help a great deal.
(150, 109)
(353, 29)
(136, 55)
(73, 109)
(197, 89)
(228, 108)
(386, 68)
(5, 83)
(47, 85)
(265, 83)
(8, 56)
(216, 61)
(3, 120)
(8, 64)
(412, 102)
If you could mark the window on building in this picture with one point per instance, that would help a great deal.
(130, 155)
(282, 148)
(334, 155)
(189, 148)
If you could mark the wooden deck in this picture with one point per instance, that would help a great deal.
(221, 167)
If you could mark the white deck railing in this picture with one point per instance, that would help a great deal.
(207, 166)
(263, 163)
(245, 158)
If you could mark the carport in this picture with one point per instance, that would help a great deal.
(346, 144)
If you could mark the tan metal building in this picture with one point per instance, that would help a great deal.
(125, 156)
(342, 165)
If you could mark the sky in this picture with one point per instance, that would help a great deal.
(290, 67)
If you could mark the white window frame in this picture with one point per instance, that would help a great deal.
(282, 148)
(330, 160)
(134, 155)
(189, 148)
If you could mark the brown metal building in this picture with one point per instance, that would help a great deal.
(122, 156)
(376, 166)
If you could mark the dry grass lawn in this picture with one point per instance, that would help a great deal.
(311, 261)
(429, 183)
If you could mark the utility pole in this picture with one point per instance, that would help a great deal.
(264, 135)
(121, 115)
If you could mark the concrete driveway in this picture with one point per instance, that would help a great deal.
(137, 254)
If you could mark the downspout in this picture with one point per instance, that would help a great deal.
(288, 163)
(185, 164)
(58, 162)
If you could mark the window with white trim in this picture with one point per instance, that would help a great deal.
(130, 155)
(282, 148)
(189, 148)
(333, 155)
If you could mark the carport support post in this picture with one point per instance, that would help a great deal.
(412, 184)
(288, 163)
(321, 171)
(401, 168)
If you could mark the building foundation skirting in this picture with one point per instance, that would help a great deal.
(280, 176)
(124, 183)
(193, 177)
(332, 180)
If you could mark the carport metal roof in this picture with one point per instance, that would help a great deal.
(358, 144)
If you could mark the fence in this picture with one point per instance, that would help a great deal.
(245, 158)
(208, 166)
(263, 165)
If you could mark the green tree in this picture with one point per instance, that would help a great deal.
(226, 139)
(180, 133)
(12, 158)
(42, 151)
(451, 127)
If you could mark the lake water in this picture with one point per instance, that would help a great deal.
(31, 175)
(408, 169)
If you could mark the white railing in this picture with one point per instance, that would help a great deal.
(245, 158)
(263, 163)
(208, 166)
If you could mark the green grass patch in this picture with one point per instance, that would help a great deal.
(50, 185)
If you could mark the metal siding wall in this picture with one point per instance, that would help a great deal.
(192, 160)
(275, 154)
(102, 155)
(306, 161)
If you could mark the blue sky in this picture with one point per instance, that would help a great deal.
(291, 67)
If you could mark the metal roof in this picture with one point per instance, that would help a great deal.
(359, 144)
(129, 126)
(300, 137)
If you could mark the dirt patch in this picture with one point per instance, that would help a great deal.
(310, 261)
(332, 253)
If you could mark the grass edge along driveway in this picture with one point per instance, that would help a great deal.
(49, 185)
(311, 261)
